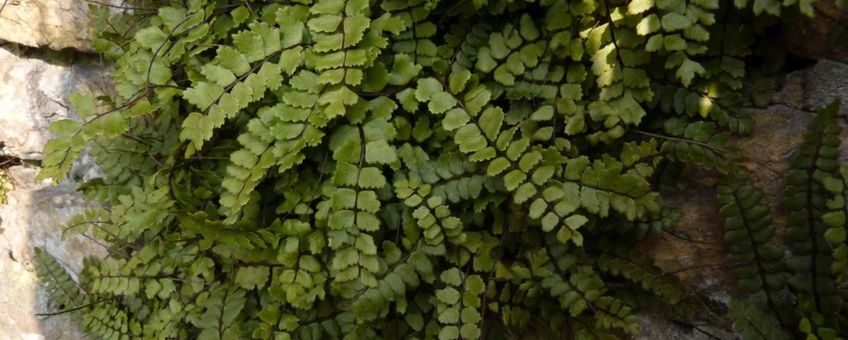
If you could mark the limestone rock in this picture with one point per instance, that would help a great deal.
(35, 92)
(35, 215)
(815, 87)
(57, 24)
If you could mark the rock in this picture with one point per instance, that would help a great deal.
(815, 87)
(824, 36)
(35, 93)
(84, 169)
(779, 129)
(34, 216)
(654, 327)
(56, 24)
(693, 250)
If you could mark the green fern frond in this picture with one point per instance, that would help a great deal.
(651, 224)
(751, 322)
(108, 320)
(837, 188)
(231, 83)
(749, 236)
(806, 200)
(221, 306)
(62, 291)
(640, 271)
(700, 143)
(579, 289)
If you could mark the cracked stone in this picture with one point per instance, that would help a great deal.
(35, 93)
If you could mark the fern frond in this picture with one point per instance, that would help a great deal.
(450, 175)
(458, 305)
(640, 271)
(108, 320)
(813, 326)
(404, 275)
(653, 223)
(62, 291)
(837, 188)
(360, 152)
(413, 45)
(432, 215)
(806, 200)
(231, 83)
(220, 309)
(700, 143)
(579, 289)
(276, 137)
(749, 236)
(752, 323)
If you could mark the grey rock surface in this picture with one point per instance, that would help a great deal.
(34, 216)
(35, 93)
(813, 88)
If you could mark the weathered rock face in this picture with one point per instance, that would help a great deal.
(35, 87)
(35, 215)
(815, 87)
(35, 91)
(693, 251)
(56, 24)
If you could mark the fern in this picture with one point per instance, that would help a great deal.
(815, 197)
(805, 197)
(220, 309)
(757, 261)
(458, 305)
(836, 222)
(417, 168)
(62, 291)
(110, 321)
(699, 143)
(650, 225)
(753, 323)
(627, 264)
